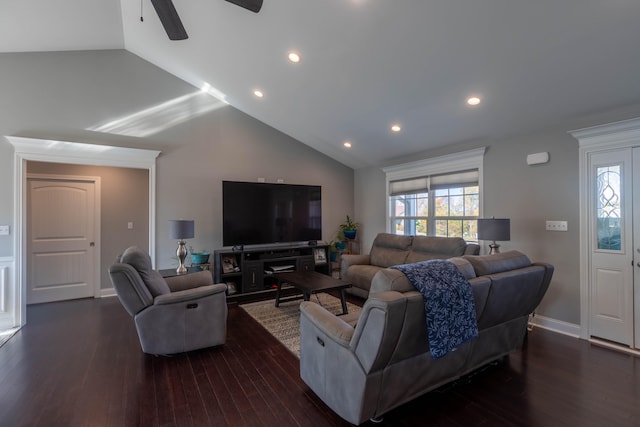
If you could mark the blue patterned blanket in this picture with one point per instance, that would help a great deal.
(448, 303)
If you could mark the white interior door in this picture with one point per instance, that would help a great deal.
(60, 239)
(611, 242)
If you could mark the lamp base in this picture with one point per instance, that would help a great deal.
(182, 254)
(494, 248)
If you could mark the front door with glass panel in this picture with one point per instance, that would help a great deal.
(611, 246)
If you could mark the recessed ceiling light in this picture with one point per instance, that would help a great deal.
(474, 100)
(396, 128)
(347, 144)
(258, 93)
(294, 57)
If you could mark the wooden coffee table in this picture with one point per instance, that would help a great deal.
(311, 282)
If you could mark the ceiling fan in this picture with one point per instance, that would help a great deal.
(173, 25)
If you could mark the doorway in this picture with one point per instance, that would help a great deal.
(610, 233)
(27, 149)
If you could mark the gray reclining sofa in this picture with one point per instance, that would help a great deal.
(366, 370)
(392, 249)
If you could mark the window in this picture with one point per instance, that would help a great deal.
(436, 204)
(437, 210)
(609, 207)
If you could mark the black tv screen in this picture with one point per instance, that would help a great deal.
(262, 213)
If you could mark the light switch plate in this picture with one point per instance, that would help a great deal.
(557, 226)
(4, 230)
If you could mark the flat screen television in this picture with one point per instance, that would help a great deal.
(255, 213)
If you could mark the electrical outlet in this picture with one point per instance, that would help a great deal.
(557, 226)
(130, 225)
(4, 230)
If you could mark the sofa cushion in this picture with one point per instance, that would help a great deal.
(513, 293)
(141, 261)
(388, 279)
(425, 248)
(389, 249)
(497, 263)
(464, 266)
(360, 275)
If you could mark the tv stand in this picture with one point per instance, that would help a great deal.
(248, 273)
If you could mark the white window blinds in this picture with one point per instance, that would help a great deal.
(426, 183)
(409, 186)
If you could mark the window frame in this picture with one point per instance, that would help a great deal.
(447, 164)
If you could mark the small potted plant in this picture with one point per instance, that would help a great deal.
(333, 252)
(197, 258)
(349, 228)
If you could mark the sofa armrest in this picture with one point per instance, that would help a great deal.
(190, 294)
(472, 249)
(353, 259)
(189, 281)
(333, 326)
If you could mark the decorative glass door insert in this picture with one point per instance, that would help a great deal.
(609, 212)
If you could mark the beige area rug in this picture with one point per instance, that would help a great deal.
(283, 322)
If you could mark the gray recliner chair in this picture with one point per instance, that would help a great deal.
(172, 315)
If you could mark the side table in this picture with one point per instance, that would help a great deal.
(171, 272)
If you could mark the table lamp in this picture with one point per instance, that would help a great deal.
(181, 229)
(494, 229)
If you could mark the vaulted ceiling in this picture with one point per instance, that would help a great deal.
(369, 64)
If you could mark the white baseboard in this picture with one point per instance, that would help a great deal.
(554, 325)
(107, 292)
(574, 331)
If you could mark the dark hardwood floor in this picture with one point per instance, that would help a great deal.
(79, 363)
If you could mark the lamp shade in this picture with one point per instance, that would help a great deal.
(181, 229)
(494, 229)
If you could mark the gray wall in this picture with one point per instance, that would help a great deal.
(124, 198)
(529, 195)
(60, 95)
(234, 147)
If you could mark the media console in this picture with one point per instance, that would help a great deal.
(250, 271)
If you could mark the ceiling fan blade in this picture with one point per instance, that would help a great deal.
(170, 19)
(252, 5)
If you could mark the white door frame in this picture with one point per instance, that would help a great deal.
(623, 134)
(45, 150)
